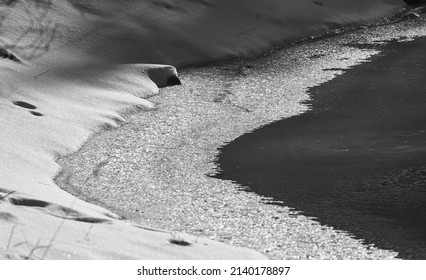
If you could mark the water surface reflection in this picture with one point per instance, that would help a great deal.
(357, 160)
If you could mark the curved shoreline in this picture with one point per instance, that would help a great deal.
(180, 140)
(356, 160)
(71, 84)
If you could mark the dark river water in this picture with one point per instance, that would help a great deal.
(357, 160)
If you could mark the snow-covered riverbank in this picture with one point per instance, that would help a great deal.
(61, 82)
(153, 169)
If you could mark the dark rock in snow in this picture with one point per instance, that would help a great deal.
(415, 2)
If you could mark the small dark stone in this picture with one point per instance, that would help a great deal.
(4, 53)
(8, 55)
(37, 114)
(173, 81)
(179, 242)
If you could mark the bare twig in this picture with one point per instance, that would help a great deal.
(41, 74)
(11, 237)
(25, 238)
(33, 250)
(9, 193)
(53, 239)
(245, 32)
(56, 233)
(37, 36)
(86, 237)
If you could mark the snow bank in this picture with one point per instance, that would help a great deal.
(69, 68)
(166, 31)
(46, 112)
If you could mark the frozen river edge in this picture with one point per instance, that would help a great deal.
(152, 170)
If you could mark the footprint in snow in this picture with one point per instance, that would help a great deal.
(29, 106)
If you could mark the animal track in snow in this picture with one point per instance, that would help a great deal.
(35, 113)
(28, 106)
(24, 105)
(55, 209)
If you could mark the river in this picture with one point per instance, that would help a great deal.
(357, 159)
